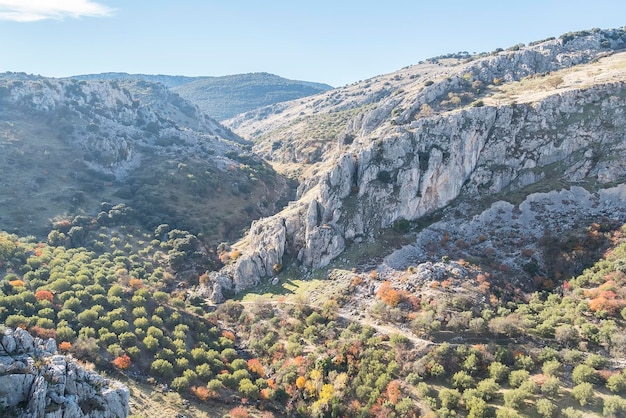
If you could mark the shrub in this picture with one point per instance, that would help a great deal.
(517, 377)
(449, 398)
(239, 412)
(162, 368)
(545, 408)
(122, 362)
(583, 373)
(583, 393)
(498, 371)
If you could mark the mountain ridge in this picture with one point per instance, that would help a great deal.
(222, 97)
(420, 148)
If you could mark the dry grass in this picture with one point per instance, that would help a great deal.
(605, 70)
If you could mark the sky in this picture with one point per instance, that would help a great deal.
(335, 42)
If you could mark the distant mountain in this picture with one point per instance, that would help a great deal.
(227, 96)
(168, 81)
(224, 97)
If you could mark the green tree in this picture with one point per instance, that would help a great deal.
(615, 383)
(162, 368)
(545, 408)
(462, 380)
(517, 377)
(449, 398)
(248, 389)
(614, 406)
(583, 373)
(498, 371)
(551, 387)
(488, 389)
(583, 393)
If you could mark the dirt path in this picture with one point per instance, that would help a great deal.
(386, 329)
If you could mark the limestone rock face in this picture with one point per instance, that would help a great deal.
(35, 382)
(399, 165)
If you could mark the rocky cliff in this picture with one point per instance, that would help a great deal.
(517, 121)
(35, 382)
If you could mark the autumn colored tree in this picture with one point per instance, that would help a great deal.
(393, 391)
(388, 294)
(255, 366)
(44, 295)
(122, 362)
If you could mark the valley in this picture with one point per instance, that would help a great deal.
(445, 240)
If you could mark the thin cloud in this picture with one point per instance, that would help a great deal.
(34, 10)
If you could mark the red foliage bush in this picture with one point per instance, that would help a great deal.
(44, 295)
(122, 362)
(239, 412)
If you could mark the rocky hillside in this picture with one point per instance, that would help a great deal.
(69, 145)
(445, 138)
(35, 381)
(226, 96)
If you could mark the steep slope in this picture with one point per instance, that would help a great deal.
(227, 96)
(69, 145)
(439, 135)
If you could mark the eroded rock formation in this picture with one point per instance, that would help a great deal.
(36, 382)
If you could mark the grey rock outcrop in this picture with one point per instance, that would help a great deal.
(35, 382)
(404, 167)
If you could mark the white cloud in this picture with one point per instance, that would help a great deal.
(34, 10)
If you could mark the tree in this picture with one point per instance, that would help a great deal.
(551, 387)
(162, 368)
(545, 408)
(615, 383)
(462, 380)
(614, 406)
(449, 398)
(488, 389)
(122, 362)
(476, 407)
(583, 393)
(498, 371)
(583, 373)
(514, 398)
(517, 377)
(248, 389)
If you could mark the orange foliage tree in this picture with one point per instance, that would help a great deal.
(201, 392)
(65, 346)
(44, 295)
(239, 412)
(393, 391)
(255, 366)
(388, 294)
(122, 362)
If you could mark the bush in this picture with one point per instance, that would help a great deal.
(162, 368)
(545, 408)
(449, 398)
(583, 373)
(616, 383)
(517, 377)
(583, 393)
(614, 406)
(498, 371)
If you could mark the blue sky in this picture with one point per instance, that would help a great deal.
(335, 42)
